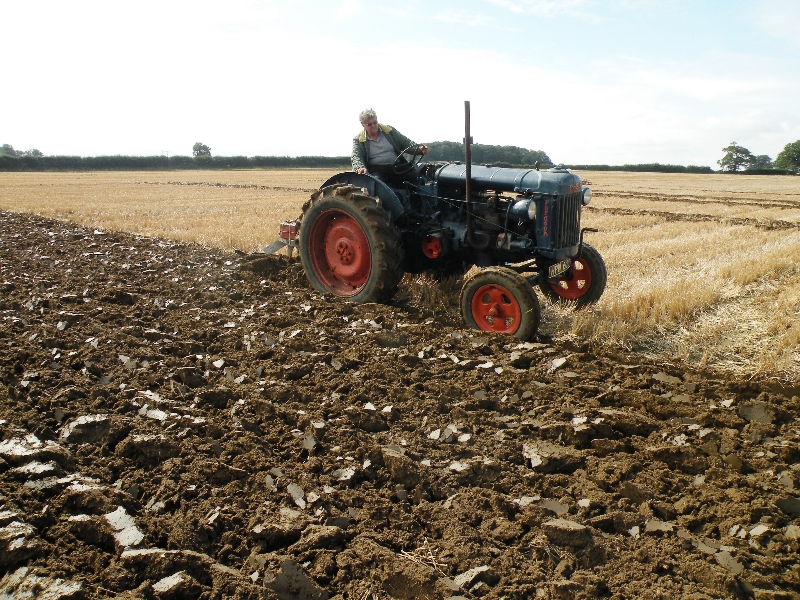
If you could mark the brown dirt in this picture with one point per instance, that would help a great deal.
(180, 423)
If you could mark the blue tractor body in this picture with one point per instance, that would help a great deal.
(518, 215)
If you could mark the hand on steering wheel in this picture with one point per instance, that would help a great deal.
(401, 165)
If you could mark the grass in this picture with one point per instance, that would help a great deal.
(702, 269)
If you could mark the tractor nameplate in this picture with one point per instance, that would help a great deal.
(558, 269)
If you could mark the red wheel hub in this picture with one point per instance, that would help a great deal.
(431, 247)
(578, 286)
(494, 308)
(340, 253)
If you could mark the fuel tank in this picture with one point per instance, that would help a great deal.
(557, 182)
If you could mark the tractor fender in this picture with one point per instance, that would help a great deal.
(374, 187)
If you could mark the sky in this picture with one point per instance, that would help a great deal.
(586, 81)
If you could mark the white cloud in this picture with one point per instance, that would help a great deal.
(708, 89)
(778, 19)
(348, 9)
(460, 17)
(639, 4)
(515, 7)
(546, 8)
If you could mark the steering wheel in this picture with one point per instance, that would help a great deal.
(401, 166)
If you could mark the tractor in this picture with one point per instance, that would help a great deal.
(357, 236)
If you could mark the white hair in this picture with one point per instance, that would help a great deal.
(367, 114)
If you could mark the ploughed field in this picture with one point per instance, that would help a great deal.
(178, 421)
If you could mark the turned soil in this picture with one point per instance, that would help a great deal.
(177, 422)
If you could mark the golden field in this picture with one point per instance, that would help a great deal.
(703, 269)
(228, 209)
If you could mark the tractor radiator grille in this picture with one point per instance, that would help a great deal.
(566, 224)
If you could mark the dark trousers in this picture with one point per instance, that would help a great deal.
(387, 175)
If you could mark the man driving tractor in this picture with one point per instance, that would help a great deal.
(376, 148)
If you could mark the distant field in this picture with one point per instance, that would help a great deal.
(228, 209)
(702, 268)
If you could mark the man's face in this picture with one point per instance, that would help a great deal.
(371, 126)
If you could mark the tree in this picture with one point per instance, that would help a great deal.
(762, 161)
(8, 150)
(735, 158)
(789, 157)
(484, 153)
(201, 150)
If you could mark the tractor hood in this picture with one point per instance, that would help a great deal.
(522, 181)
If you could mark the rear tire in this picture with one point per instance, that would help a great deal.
(585, 285)
(349, 246)
(500, 300)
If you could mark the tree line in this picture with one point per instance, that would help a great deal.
(165, 163)
(498, 156)
(8, 150)
(736, 159)
(642, 168)
(514, 156)
(502, 156)
(172, 163)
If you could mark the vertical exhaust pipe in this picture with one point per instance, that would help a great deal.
(468, 159)
(468, 183)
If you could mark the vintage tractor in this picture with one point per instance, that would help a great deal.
(357, 236)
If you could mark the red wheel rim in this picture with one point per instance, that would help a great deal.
(494, 308)
(578, 286)
(340, 253)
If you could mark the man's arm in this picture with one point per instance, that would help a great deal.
(358, 156)
(404, 142)
(400, 140)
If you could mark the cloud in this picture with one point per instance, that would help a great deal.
(639, 4)
(462, 18)
(546, 8)
(348, 9)
(778, 19)
(514, 7)
(709, 89)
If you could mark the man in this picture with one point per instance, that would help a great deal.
(377, 147)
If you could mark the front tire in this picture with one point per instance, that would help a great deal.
(500, 300)
(349, 246)
(585, 283)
